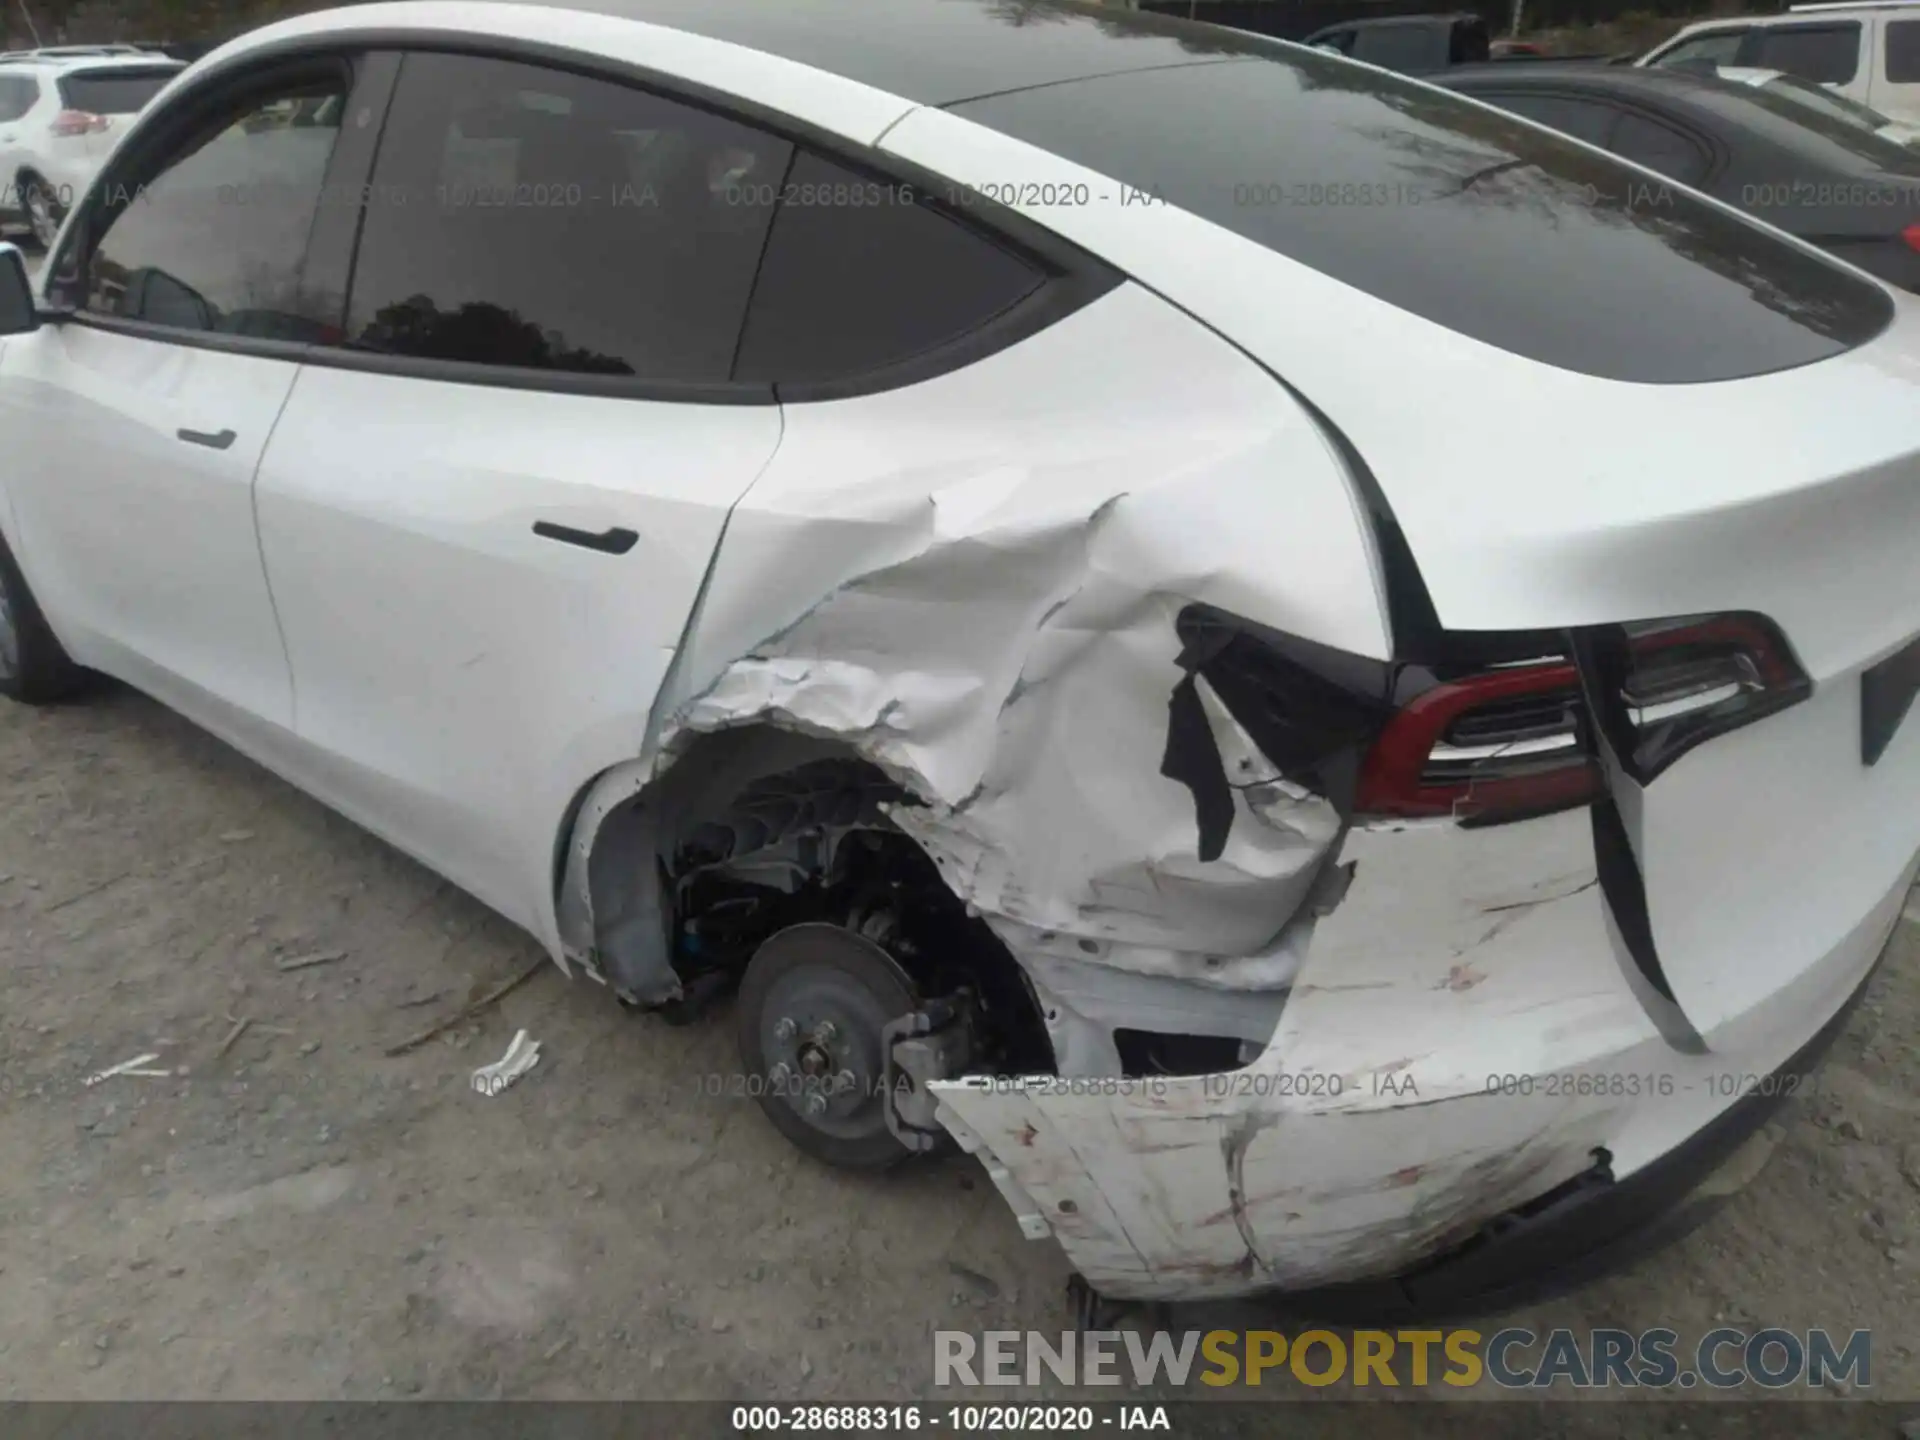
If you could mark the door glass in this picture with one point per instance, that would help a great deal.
(1829, 54)
(1582, 119)
(1719, 48)
(215, 238)
(1659, 147)
(542, 220)
(1903, 52)
(1418, 46)
(858, 276)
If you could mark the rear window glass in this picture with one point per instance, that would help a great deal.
(113, 92)
(1462, 215)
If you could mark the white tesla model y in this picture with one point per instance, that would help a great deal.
(978, 532)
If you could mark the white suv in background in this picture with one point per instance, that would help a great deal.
(1868, 51)
(61, 110)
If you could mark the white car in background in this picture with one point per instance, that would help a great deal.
(1869, 51)
(61, 110)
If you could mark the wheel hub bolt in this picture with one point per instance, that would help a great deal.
(825, 1033)
(780, 1074)
(785, 1029)
(816, 1104)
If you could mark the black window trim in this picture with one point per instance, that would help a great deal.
(1074, 277)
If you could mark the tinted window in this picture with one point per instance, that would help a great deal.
(1401, 47)
(113, 92)
(849, 287)
(1660, 147)
(1829, 54)
(1903, 52)
(1718, 48)
(531, 218)
(1583, 119)
(17, 96)
(1502, 231)
(215, 237)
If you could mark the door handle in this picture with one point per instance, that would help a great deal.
(610, 542)
(212, 441)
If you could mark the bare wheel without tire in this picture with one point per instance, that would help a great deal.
(810, 1012)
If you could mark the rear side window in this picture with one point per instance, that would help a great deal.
(857, 276)
(113, 92)
(535, 219)
(1903, 52)
(1825, 54)
(1660, 147)
(1471, 219)
(1582, 119)
(1401, 47)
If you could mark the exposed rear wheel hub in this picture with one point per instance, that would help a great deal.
(812, 1006)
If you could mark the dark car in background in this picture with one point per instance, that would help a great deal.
(1832, 183)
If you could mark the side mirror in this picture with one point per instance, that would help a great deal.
(17, 315)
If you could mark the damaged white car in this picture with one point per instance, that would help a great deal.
(973, 530)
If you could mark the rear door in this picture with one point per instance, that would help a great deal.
(487, 515)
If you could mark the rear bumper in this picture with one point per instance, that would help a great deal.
(1591, 1225)
(1463, 1096)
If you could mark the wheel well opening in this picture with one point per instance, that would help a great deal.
(755, 830)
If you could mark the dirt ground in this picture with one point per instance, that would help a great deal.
(303, 1217)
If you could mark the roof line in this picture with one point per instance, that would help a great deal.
(1098, 75)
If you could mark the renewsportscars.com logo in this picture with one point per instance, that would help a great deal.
(1510, 1359)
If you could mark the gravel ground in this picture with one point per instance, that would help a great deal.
(303, 1217)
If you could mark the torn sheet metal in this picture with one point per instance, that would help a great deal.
(1461, 1038)
(982, 603)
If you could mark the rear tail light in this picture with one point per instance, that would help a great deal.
(1912, 235)
(1659, 688)
(78, 122)
(1516, 741)
(1485, 748)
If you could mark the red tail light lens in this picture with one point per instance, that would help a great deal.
(1517, 741)
(78, 122)
(1912, 235)
(1485, 748)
